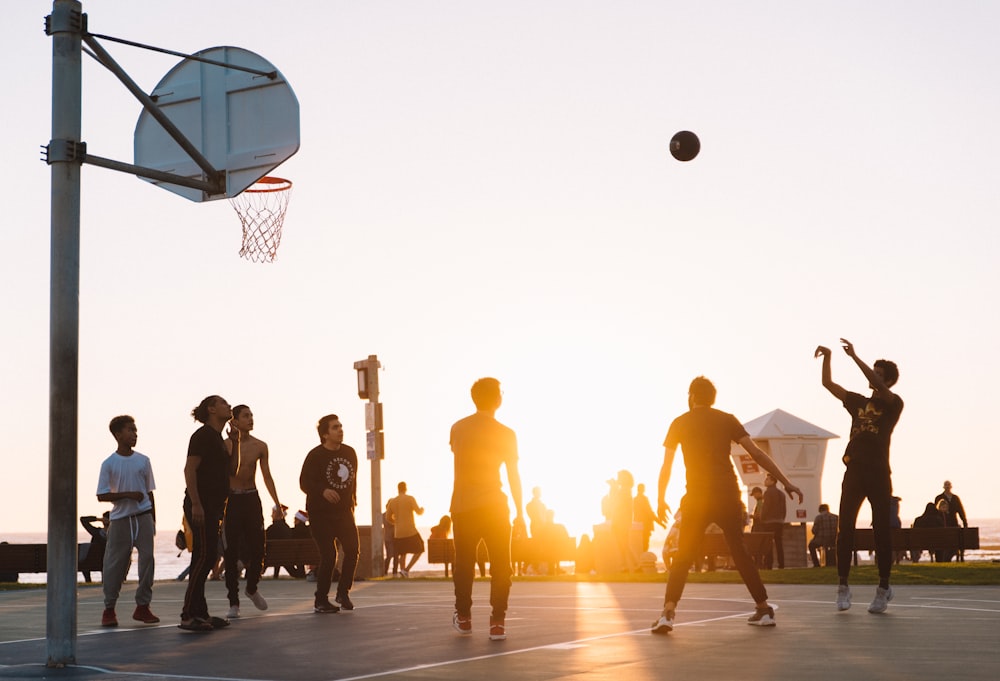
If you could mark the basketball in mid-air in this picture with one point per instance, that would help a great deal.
(685, 145)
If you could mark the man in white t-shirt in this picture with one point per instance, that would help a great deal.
(126, 480)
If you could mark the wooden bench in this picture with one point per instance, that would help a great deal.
(32, 558)
(914, 539)
(756, 543)
(442, 551)
(282, 552)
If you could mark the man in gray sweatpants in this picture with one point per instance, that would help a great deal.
(126, 480)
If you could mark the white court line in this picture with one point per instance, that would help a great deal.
(577, 643)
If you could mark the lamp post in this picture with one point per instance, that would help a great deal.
(368, 390)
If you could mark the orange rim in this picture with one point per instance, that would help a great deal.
(269, 181)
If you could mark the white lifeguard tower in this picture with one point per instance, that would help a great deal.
(799, 448)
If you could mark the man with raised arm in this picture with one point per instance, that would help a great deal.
(868, 473)
(244, 523)
(705, 436)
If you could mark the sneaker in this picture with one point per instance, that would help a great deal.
(144, 614)
(404, 573)
(843, 597)
(664, 625)
(258, 600)
(109, 618)
(881, 601)
(463, 625)
(497, 631)
(325, 607)
(234, 612)
(344, 601)
(762, 617)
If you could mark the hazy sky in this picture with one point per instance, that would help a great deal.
(485, 188)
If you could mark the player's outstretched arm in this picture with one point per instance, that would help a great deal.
(835, 389)
(768, 464)
(873, 378)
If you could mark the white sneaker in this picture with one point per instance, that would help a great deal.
(881, 601)
(258, 600)
(234, 612)
(843, 597)
(664, 625)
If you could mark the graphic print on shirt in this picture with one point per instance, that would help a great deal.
(867, 419)
(339, 474)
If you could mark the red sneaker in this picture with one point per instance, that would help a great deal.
(144, 614)
(109, 618)
(497, 630)
(463, 625)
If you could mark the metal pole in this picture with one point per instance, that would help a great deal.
(65, 26)
(378, 564)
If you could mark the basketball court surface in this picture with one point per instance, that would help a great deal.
(556, 630)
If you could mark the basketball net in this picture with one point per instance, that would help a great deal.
(261, 208)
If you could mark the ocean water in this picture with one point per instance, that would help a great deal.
(169, 564)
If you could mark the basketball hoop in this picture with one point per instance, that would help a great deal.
(261, 208)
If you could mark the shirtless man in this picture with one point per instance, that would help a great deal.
(244, 523)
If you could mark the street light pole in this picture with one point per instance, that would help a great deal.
(368, 390)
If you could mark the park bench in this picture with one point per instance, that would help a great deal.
(442, 551)
(282, 552)
(32, 558)
(756, 543)
(914, 539)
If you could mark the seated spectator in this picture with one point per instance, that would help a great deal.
(943, 555)
(931, 517)
(98, 537)
(279, 529)
(824, 531)
(443, 529)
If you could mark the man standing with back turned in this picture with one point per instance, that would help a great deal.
(868, 474)
(713, 495)
(481, 445)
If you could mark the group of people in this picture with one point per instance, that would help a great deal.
(220, 468)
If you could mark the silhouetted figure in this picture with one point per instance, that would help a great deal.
(98, 538)
(279, 529)
(956, 510)
(824, 531)
(642, 512)
(868, 474)
(773, 520)
(479, 511)
(621, 520)
(406, 538)
(931, 517)
(206, 473)
(705, 435)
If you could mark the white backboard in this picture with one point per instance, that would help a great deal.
(244, 124)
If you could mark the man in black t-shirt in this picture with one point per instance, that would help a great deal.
(206, 473)
(329, 478)
(868, 473)
(705, 436)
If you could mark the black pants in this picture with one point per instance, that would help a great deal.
(204, 553)
(325, 531)
(492, 526)
(873, 483)
(244, 532)
(776, 530)
(699, 513)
